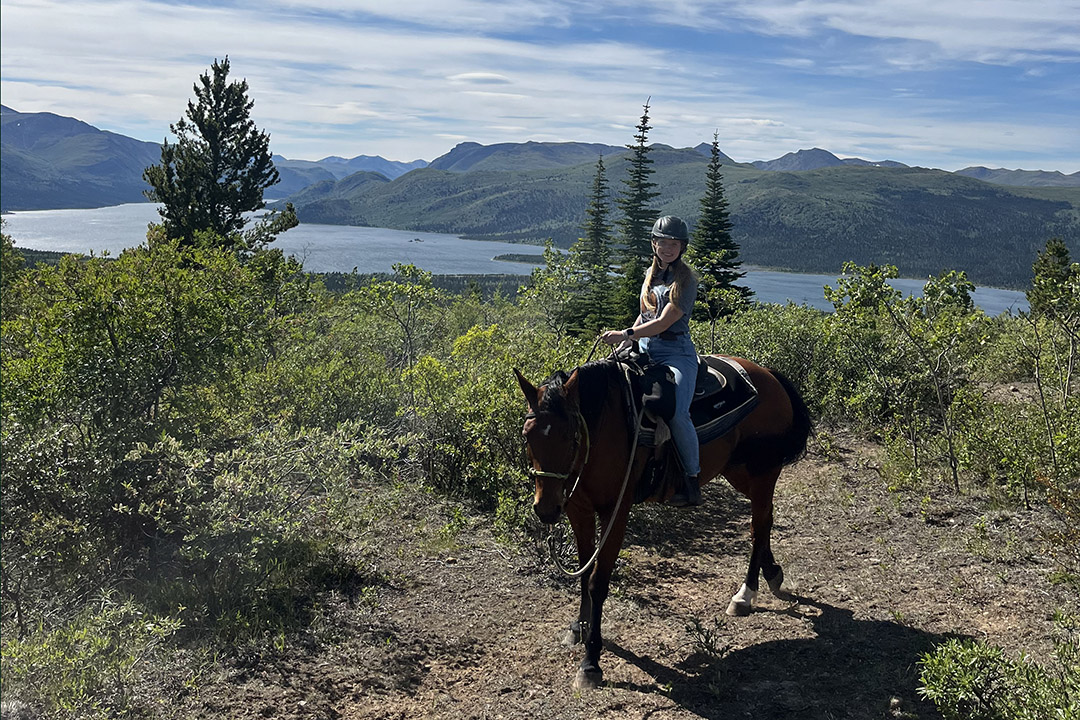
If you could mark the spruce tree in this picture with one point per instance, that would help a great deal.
(638, 215)
(592, 308)
(218, 168)
(713, 252)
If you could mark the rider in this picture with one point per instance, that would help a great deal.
(663, 327)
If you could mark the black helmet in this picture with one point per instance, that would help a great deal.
(670, 226)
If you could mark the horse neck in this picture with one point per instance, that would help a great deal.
(608, 419)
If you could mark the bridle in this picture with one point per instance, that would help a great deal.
(582, 431)
(583, 428)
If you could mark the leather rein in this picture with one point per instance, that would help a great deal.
(583, 428)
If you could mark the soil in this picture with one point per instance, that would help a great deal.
(461, 625)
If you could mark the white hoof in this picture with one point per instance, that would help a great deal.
(742, 602)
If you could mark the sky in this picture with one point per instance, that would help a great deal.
(934, 83)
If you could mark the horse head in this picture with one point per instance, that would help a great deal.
(555, 438)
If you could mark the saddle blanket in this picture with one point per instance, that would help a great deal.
(723, 396)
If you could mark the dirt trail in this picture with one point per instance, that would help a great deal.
(464, 627)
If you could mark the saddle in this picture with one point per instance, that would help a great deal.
(723, 396)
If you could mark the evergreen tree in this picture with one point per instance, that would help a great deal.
(218, 168)
(592, 308)
(713, 252)
(638, 215)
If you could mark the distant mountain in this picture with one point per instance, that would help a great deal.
(706, 150)
(391, 169)
(470, 156)
(815, 159)
(923, 221)
(1022, 178)
(873, 163)
(49, 161)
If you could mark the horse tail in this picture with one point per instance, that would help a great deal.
(793, 443)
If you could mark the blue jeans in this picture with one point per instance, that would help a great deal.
(680, 355)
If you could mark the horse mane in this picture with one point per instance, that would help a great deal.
(592, 386)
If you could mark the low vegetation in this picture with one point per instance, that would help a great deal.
(184, 433)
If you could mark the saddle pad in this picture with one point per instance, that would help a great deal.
(717, 412)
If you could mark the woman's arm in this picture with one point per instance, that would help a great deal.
(667, 318)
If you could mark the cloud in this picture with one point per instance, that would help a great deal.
(337, 77)
(480, 78)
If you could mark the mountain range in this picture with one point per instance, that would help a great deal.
(921, 220)
(808, 210)
(49, 161)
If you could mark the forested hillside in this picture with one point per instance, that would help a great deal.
(920, 220)
(54, 161)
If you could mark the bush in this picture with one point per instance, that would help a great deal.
(969, 680)
(92, 666)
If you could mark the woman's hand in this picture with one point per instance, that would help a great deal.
(614, 336)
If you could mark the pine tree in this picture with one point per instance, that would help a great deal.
(218, 168)
(592, 308)
(638, 215)
(713, 252)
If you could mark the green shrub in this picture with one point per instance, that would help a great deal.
(969, 680)
(92, 666)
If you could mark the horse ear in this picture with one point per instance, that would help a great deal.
(570, 386)
(531, 394)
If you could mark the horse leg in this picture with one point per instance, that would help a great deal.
(584, 526)
(589, 674)
(760, 490)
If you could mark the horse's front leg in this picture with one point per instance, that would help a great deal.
(583, 523)
(589, 674)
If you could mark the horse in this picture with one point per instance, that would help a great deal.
(582, 456)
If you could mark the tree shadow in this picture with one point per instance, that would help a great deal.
(852, 669)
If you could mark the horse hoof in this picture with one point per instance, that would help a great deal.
(588, 679)
(742, 603)
(571, 638)
(739, 609)
(776, 586)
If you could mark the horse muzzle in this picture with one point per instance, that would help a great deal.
(548, 514)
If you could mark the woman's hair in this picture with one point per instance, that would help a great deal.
(683, 274)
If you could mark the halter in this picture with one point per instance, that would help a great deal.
(582, 428)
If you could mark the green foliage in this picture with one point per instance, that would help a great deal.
(468, 410)
(917, 347)
(635, 202)
(218, 168)
(713, 252)
(592, 307)
(969, 680)
(91, 666)
(635, 223)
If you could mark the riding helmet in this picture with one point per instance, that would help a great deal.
(670, 226)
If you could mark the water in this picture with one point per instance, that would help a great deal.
(329, 248)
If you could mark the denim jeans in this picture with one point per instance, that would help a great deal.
(680, 355)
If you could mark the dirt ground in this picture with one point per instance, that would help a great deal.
(461, 626)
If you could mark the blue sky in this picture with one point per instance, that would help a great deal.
(936, 83)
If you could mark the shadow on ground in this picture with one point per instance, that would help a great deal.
(851, 669)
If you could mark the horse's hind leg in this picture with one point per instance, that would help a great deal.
(759, 488)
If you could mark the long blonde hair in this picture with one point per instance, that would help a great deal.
(683, 275)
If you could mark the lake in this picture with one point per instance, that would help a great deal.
(340, 248)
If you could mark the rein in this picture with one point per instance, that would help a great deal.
(618, 503)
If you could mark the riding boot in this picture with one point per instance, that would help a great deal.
(690, 495)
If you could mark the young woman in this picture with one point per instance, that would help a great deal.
(663, 331)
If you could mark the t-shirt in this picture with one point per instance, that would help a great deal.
(661, 289)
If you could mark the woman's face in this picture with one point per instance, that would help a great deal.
(667, 249)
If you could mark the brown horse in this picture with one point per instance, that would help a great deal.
(579, 444)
